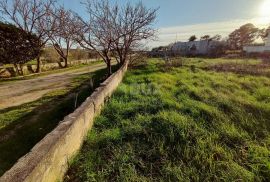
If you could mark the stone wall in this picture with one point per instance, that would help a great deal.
(49, 159)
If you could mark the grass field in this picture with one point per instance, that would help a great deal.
(186, 123)
(21, 127)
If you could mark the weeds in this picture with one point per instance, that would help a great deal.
(262, 69)
(197, 126)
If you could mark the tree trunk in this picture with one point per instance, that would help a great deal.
(109, 68)
(17, 69)
(62, 59)
(122, 60)
(67, 53)
(21, 69)
(60, 64)
(66, 62)
(38, 65)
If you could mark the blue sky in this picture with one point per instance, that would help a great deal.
(179, 19)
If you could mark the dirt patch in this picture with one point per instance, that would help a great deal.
(262, 69)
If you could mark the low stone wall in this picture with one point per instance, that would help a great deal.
(49, 159)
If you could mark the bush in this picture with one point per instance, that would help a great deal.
(50, 55)
(17, 46)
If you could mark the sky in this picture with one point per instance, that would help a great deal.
(177, 20)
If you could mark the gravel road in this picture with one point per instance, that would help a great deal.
(19, 92)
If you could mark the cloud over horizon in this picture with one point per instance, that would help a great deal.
(172, 34)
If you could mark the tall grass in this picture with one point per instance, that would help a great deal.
(183, 124)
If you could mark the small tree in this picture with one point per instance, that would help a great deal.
(264, 33)
(114, 29)
(216, 37)
(96, 33)
(192, 38)
(62, 36)
(17, 46)
(205, 37)
(30, 16)
(218, 49)
(131, 26)
(245, 35)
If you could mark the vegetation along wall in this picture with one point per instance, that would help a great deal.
(49, 159)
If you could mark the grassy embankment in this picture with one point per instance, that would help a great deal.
(21, 127)
(181, 124)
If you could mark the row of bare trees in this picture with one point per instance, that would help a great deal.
(110, 29)
(113, 30)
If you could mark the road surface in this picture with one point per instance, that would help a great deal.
(20, 92)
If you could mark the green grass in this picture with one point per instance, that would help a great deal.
(21, 127)
(180, 124)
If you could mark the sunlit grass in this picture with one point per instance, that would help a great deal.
(180, 125)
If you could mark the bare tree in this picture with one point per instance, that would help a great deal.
(62, 35)
(96, 32)
(30, 16)
(132, 25)
(115, 30)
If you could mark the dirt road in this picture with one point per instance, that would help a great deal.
(24, 91)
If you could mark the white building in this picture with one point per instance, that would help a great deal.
(259, 48)
(202, 47)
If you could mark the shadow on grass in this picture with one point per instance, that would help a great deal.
(32, 127)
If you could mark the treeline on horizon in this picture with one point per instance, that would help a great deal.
(245, 35)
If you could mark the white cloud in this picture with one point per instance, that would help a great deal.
(169, 35)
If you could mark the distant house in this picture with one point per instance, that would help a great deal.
(259, 48)
(194, 48)
(159, 51)
(202, 47)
